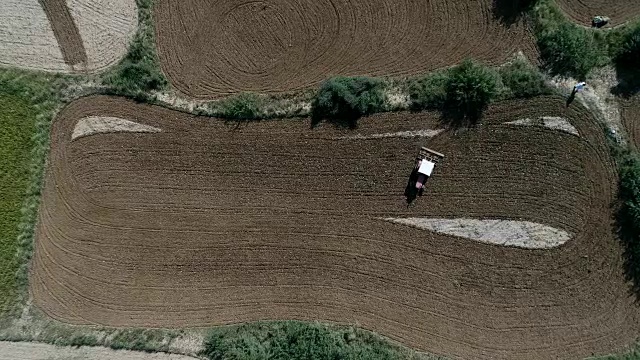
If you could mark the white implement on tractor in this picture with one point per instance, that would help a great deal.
(425, 163)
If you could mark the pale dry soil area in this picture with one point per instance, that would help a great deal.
(107, 124)
(27, 40)
(39, 351)
(26, 37)
(523, 234)
(597, 98)
(551, 122)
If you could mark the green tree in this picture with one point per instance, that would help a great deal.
(570, 50)
(342, 100)
(522, 80)
(469, 90)
(429, 92)
(630, 53)
(245, 106)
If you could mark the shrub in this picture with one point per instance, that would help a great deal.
(343, 100)
(629, 55)
(132, 78)
(629, 213)
(570, 50)
(522, 80)
(429, 92)
(245, 106)
(295, 341)
(470, 88)
(139, 72)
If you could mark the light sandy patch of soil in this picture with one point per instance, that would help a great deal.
(190, 343)
(558, 123)
(38, 351)
(551, 122)
(399, 134)
(107, 124)
(106, 28)
(26, 37)
(597, 97)
(524, 234)
(397, 99)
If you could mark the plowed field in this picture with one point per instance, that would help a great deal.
(207, 223)
(213, 48)
(582, 11)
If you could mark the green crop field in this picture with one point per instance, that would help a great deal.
(17, 125)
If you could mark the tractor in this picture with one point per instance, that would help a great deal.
(599, 21)
(425, 163)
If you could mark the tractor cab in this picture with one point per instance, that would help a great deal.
(599, 21)
(425, 163)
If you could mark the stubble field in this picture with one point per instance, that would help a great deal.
(206, 223)
(66, 36)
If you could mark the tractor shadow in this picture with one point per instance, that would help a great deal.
(571, 98)
(410, 191)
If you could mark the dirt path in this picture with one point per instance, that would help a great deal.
(38, 351)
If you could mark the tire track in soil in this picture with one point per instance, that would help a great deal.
(207, 224)
(66, 31)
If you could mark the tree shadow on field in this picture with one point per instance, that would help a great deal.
(348, 121)
(628, 82)
(455, 117)
(509, 12)
(571, 98)
(630, 241)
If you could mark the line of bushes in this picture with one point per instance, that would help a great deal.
(292, 340)
(342, 100)
(628, 215)
(462, 92)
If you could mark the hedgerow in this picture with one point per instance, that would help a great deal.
(342, 100)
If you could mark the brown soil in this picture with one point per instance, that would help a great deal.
(631, 119)
(212, 49)
(582, 11)
(65, 31)
(210, 223)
